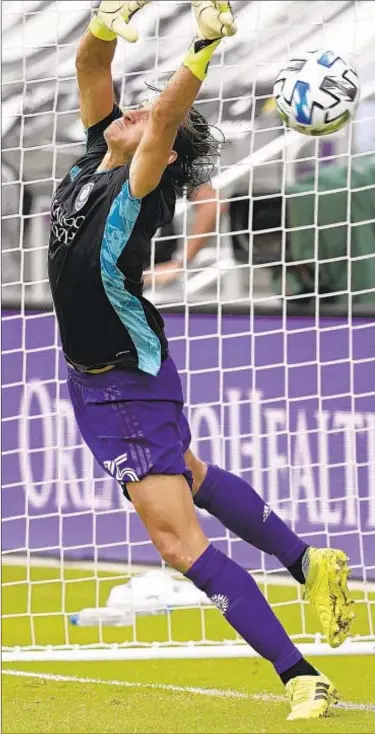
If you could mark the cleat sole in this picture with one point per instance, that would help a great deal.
(336, 612)
(339, 593)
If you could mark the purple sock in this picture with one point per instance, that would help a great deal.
(242, 603)
(242, 510)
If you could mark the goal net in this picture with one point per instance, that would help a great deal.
(273, 334)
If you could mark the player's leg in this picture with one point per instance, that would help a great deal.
(246, 514)
(242, 510)
(324, 571)
(139, 442)
(165, 507)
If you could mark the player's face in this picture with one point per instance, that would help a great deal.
(125, 134)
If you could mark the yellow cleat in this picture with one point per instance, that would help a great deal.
(310, 696)
(326, 588)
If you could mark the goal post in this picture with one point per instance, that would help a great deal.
(280, 393)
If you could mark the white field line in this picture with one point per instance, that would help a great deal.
(195, 691)
(272, 578)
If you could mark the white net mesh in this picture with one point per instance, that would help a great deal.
(277, 359)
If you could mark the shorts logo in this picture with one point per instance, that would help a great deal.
(122, 473)
(83, 196)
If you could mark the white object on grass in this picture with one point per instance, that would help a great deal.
(153, 592)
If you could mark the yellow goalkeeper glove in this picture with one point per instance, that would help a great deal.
(112, 20)
(215, 21)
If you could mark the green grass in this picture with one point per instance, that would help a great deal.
(48, 706)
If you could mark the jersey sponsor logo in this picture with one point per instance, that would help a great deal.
(120, 472)
(64, 227)
(83, 196)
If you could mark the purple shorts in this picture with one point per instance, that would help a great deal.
(133, 422)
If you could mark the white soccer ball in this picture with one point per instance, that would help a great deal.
(317, 92)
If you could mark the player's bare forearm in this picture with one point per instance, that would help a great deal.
(154, 152)
(93, 53)
(167, 114)
(176, 100)
(94, 76)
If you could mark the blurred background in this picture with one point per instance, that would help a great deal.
(254, 213)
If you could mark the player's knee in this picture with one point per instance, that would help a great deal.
(179, 554)
(198, 469)
(171, 550)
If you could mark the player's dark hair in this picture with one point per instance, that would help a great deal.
(197, 149)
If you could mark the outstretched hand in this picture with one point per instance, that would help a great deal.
(116, 15)
(214, 19)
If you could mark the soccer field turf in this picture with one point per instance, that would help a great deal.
(159, 696)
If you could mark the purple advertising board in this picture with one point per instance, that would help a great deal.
(287, 404)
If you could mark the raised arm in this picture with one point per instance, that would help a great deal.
(93, 64)
(155, 149)
(95, 55)
(215, 20)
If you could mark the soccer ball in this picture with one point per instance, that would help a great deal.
(317, 92)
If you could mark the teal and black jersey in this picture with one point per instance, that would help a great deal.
(100, 235)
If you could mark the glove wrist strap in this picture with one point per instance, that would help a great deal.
(99, 30)
(199, 56)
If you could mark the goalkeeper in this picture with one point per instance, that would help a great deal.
(124, 386)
